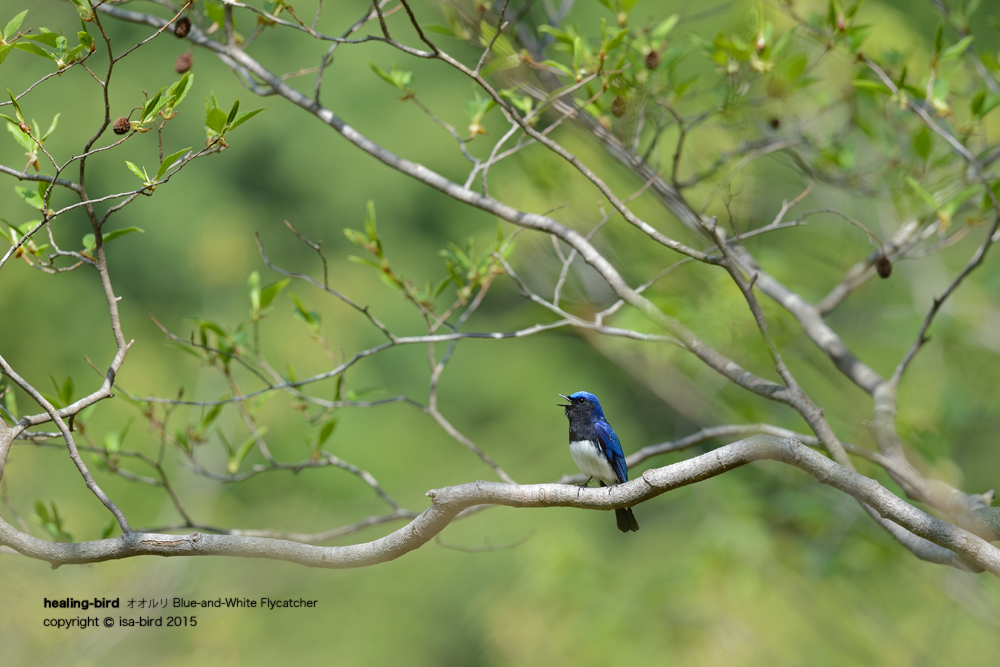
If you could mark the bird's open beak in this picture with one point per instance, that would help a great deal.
(561, 405)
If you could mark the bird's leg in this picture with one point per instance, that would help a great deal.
(587, 483)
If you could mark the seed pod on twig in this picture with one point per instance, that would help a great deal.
(618, 106)
(884, 266)
(183, 63)
(121, 126)
(182, 27)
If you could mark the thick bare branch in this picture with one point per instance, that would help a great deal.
(936, 540)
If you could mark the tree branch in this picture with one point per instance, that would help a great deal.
(938, 541)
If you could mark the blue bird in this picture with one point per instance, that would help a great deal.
(596, 450)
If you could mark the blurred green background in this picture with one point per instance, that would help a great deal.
(759, 566)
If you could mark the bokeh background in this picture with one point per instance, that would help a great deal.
(759, 566)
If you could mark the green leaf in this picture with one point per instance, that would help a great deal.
(370, 222)
(664, 28)
(118, 233)
(179, 89)
(209, 418)
(559, 66)
(52, 522)
(86, 41)
(310, 317)
(30, 197)
(242, 118)
(169, 162)
(956, 49)
(4, 50)
(795, 66)
(440, 29)
(112, 443)
(926, 196)
(782, 42)
(383, 74)
(440, 288)
(976, 104)
(66, 390)
(17, 107)
(871, 85)
(89, 242)
(478, 107)
(151, 107)
(989, 61)
(269, 293)
(27, 143)
(615, 41)
(13, 25)
(41, 511)
(253, 284)
(963, 196)
(922, 143)
(232, 112)
(135, 170)
(501, 64)
(578, 51)
(241, 452)
(356, 237)
(215, 12)
(501, 44)
(560, 35)
(326, 432)
(215, 120)
(989, 104)
(523, 103)
(28, 47)
(109, 528)
(46, 38)
(208, 325)
(83, 9)
(85, 414)
(364, 262)
(355, 395)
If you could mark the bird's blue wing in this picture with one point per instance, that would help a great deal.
(612, 449)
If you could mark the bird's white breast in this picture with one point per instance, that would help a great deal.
(592, 462)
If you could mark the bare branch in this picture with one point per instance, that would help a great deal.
(934, 539)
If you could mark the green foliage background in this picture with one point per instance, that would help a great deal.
(761, 566)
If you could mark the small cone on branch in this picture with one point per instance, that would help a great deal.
(884, 266)
(618, 106)
(121, 126)
(183, 63)
(652, 60)
(182, 27)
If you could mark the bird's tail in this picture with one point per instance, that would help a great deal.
(626, 520)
